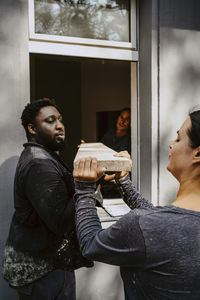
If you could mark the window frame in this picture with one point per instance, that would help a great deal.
(63, 45)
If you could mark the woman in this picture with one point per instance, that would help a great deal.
(118, 138)
(157, 247)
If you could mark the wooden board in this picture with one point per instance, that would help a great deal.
(104, 156)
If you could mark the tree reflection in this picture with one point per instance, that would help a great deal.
(97, 19)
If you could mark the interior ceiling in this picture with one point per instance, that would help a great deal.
(71, 58)
(64, 58)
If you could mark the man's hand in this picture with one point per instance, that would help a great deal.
(82, 142)
(86, 170)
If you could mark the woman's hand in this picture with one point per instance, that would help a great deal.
(86, 170)
(117, 175)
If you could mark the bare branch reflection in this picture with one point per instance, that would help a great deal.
(97, 19)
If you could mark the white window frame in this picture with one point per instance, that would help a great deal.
(83, 47)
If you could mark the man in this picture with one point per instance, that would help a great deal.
(38, 257)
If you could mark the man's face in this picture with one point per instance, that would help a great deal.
(49, 128)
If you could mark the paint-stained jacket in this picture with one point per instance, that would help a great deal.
(44, 211)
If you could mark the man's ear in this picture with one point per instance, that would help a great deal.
(31, 129)
(196, 158)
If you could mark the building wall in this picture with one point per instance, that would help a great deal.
(179, 77)
(14, 87)
(169, 73)
(145, 97)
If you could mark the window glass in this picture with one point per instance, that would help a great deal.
(94, 19)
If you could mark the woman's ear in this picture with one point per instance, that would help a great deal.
(196, 158)
(31, 129)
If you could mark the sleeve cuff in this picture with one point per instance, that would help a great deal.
(122, 180)
(85, 186)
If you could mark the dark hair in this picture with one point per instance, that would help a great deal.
(194, 131)
(125, 109)
(31, 110)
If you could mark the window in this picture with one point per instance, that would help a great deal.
(93, 19)
(106, 28)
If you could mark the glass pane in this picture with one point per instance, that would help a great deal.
(95, 19)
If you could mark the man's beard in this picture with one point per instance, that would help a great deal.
(47, 141)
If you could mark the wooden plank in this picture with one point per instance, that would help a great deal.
(104, 156)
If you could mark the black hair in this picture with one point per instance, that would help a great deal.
(31, 110)
(125, 109)
(194, 131)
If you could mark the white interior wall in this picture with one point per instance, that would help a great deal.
(105, 87)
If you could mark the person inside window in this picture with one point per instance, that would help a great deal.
(118, 138)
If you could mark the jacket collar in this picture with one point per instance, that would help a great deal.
(52, 153)
(32, 144)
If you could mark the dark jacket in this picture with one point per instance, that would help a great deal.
(44, 211)
(118, 144)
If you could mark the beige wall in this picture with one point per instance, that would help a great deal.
(169, 76)
(14, 94)
(179, 78)
(105, 86)
(180, 90)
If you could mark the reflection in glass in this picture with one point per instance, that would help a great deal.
(96, 19)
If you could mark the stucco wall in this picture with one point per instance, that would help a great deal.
(14, 87)
(145, 96)
(179, 77)
(169, 74)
